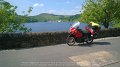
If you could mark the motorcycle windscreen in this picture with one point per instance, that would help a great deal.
(75, 25)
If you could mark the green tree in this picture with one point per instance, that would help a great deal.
(9, 20)
(102, 11)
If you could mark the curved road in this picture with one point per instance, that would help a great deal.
(102, 53)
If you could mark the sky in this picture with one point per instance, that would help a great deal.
(58, 7)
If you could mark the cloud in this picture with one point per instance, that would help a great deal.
(38, 5)
(69, 12)
(67, 2)
(64, 12)
(51, 11)
(77, 7)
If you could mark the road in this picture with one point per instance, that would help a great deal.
(101, 53)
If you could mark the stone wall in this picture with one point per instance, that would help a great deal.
(27, 40)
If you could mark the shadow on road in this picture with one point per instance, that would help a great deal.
(93, 44)
(101, 43)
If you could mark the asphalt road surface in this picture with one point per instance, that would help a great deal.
(101, 53)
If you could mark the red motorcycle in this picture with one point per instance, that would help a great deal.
(79, 36)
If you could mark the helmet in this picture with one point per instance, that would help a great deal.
(91, 22)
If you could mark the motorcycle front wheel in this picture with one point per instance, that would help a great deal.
(89, 40)
(70, 40)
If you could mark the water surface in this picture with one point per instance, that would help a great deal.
(51, 26)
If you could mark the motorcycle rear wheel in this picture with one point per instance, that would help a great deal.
(70, 40)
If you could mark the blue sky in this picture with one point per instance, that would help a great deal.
(59, 7)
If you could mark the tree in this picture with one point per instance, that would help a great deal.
(102, 11)
(9, 20)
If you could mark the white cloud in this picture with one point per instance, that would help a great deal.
(65, 12)
(38, 5)
(51, 11)
(77, 7)
(67, 2)
(70, 12)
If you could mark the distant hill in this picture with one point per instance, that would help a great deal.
(45, 17)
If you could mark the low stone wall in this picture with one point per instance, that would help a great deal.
(109, 33)
(27, 40)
